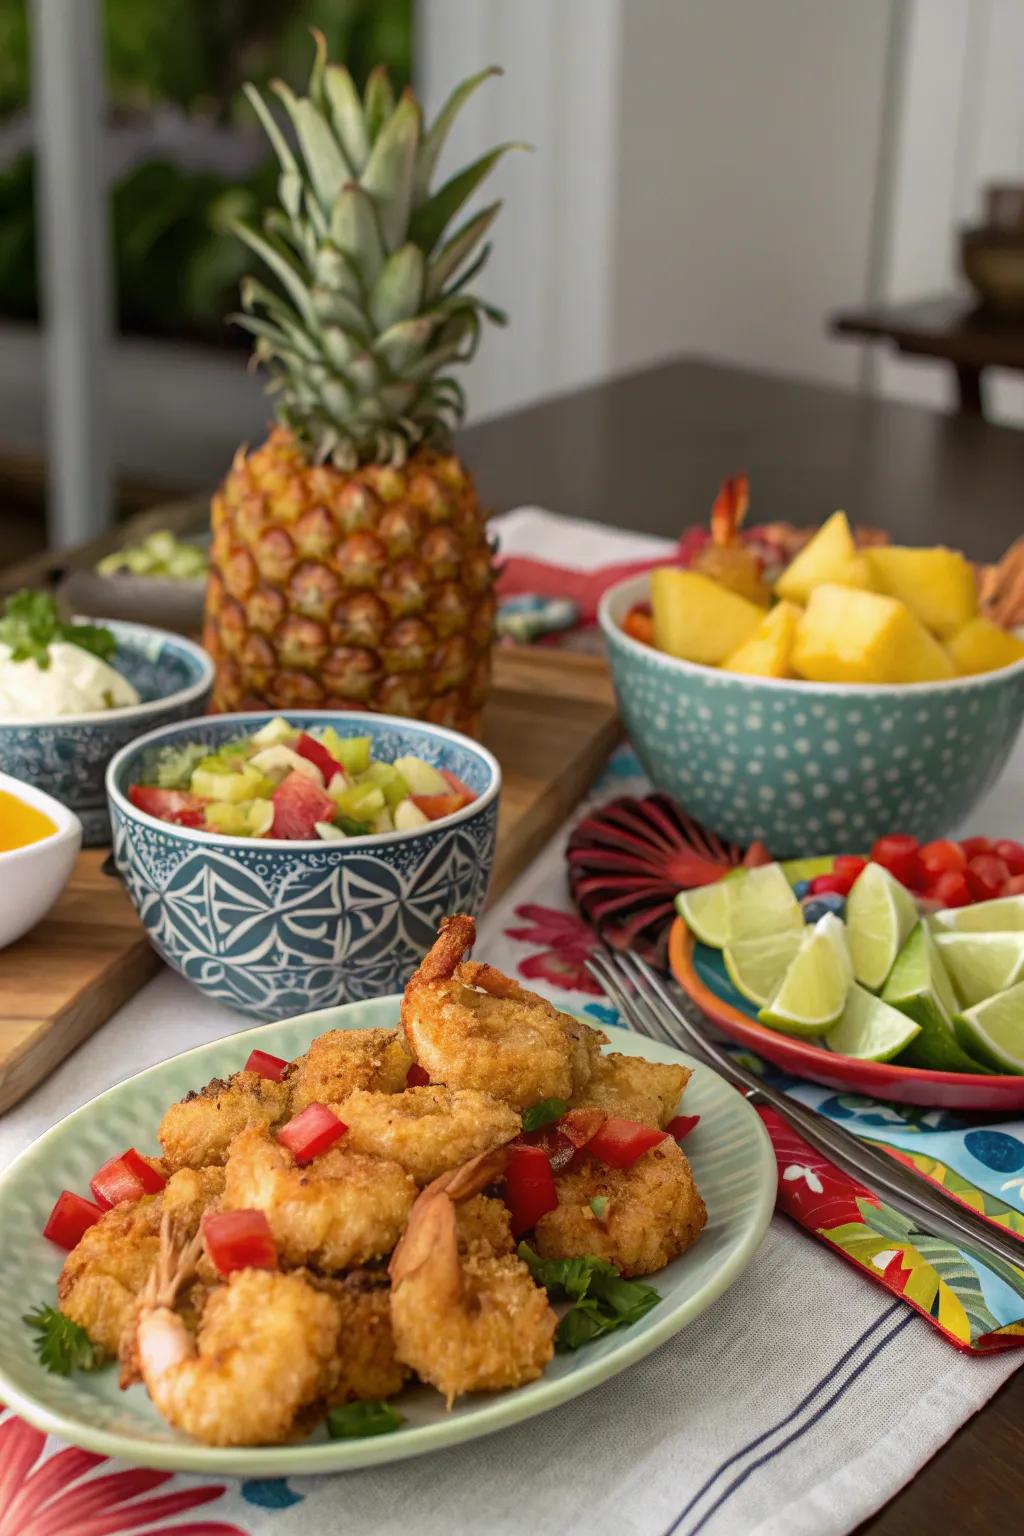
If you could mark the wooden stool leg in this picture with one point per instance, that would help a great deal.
(968, 383)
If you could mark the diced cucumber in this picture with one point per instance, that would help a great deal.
(363, 802)
(421, 778)
(233, 787)
(387, 777)
(241, 818)
(275, 733)
(352, 752)
(408, 817)
(384, 822)
(328, 832)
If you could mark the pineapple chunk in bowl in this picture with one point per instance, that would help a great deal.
(274, 926)
(809, 765)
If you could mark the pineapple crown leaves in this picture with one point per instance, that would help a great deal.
(372, 304)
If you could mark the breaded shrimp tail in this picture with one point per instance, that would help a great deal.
(431, 1235)
(456, 935)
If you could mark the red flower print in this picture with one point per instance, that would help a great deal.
(568, 941)
(56, 1497)
(811, 1189)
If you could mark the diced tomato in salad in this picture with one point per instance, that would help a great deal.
(127, 1177)
(311, 1132)
(299, 803)
(315, 752)
(71, 1216)
(238, 1240)
(265, 1065)
(436, 806)
(175, 805)
(529, 1186)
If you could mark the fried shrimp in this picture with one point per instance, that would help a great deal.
(470, 1026)
(106, 1270)
(341, 1210)
(343, 1060)
(365, 1365)
(647, 1091)
(653, 1213)
(472, 1321)
(263, 1352)
(427, 1130)
(483, 1225)
(199, 1130)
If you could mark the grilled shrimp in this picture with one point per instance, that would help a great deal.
(199, 1130)
(471, 1321)
(341, 1210)
(653, 1213)
(264, 1350)
(470, 1026)
(647, 1091)
(427, 1130)
(342, 1060)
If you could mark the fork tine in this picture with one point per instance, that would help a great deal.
(604, 970)
(648, 1020)
(697, 1040)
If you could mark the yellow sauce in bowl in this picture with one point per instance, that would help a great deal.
(21, 824)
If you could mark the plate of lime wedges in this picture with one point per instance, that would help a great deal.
(867, 992)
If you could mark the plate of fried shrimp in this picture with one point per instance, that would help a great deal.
(370, 1232)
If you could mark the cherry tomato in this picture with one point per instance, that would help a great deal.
(849, 864)
(71, 1216)
(986, 876)
(127, 1177)
(975, 845)
(529, 1187)
(311, 1132)
(834, 884)
(1014, 886)
(620, 1143)
(942, 855)
(1011, 853)
(898, 853)
(265, 1065)
(417, 1076)
(951, 889)
(238, 1240)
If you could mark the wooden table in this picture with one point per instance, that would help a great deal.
(953, 330)
(647, 452)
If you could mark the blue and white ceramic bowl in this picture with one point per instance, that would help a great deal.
(276, 927)
(68, 757)
(810, 767)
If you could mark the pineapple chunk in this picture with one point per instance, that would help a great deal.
(767, 653)
(830, 556)
(697, 620)
(936, 584)
(847, 636)
(981, 646)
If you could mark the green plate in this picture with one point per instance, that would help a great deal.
(732, 1161)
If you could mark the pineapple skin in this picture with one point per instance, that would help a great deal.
(367, 589)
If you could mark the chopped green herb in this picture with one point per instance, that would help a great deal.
(352, 827)
(602, 1300)
(62, 1346)
(354, 1421)
(30, 625)
(599, 1206)
(544, 1113)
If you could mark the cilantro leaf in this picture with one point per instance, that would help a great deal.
(544, 1113)
(602, 1299)
(62, 1346)
(354, 1421)
(30, 625)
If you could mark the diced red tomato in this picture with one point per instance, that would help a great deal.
(529, 1187)
(177, 805)
(951, 889)
(316, 753)
(457, 786)
(832, 884)
(942, 856)
(1014, 886)
(436, 806)
(986, 876)
(311, 1132)
(1012, 854)
(265, 1065)
(127, 1177)
(899, 854)
(417, 1076)
(71, 1216)
(975, 845)
(580, 1126)
(558, 1149)
(639, 624)
(621, 1142)
(238, 1240)
(849, 864)
(298, 805)
(680, 1126)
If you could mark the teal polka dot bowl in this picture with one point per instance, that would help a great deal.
(809, 767)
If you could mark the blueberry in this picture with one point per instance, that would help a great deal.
(831, 901)
(801, 888)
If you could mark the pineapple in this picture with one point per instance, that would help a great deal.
(350, 565)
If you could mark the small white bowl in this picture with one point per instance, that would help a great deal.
(32, 877)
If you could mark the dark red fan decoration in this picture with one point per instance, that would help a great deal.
(628, 860)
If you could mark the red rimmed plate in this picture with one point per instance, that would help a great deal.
(704, 981)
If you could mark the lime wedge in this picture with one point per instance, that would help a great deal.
(871, 1030)
(919, 987)
(1003, 915)
(982, 964)
(806, 869)
(761, 904)
(880, 914)
(994, 1030)
(705, 913)
(813, 991)
(756, 966)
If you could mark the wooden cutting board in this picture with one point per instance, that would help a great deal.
(551, 722)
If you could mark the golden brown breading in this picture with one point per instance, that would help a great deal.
(654, 1212)
(342, 1060)
(484, 1225)
(647, 1091)
(198, 1131)
(365, 1364)
(341, 1210)
(426, 1130)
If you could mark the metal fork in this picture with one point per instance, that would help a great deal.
(652, 1010)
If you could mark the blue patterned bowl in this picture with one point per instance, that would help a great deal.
(283, 926)
(810, 767)
(68, 757)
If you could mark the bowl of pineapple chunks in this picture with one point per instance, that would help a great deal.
(287, 864)
(861, 689)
